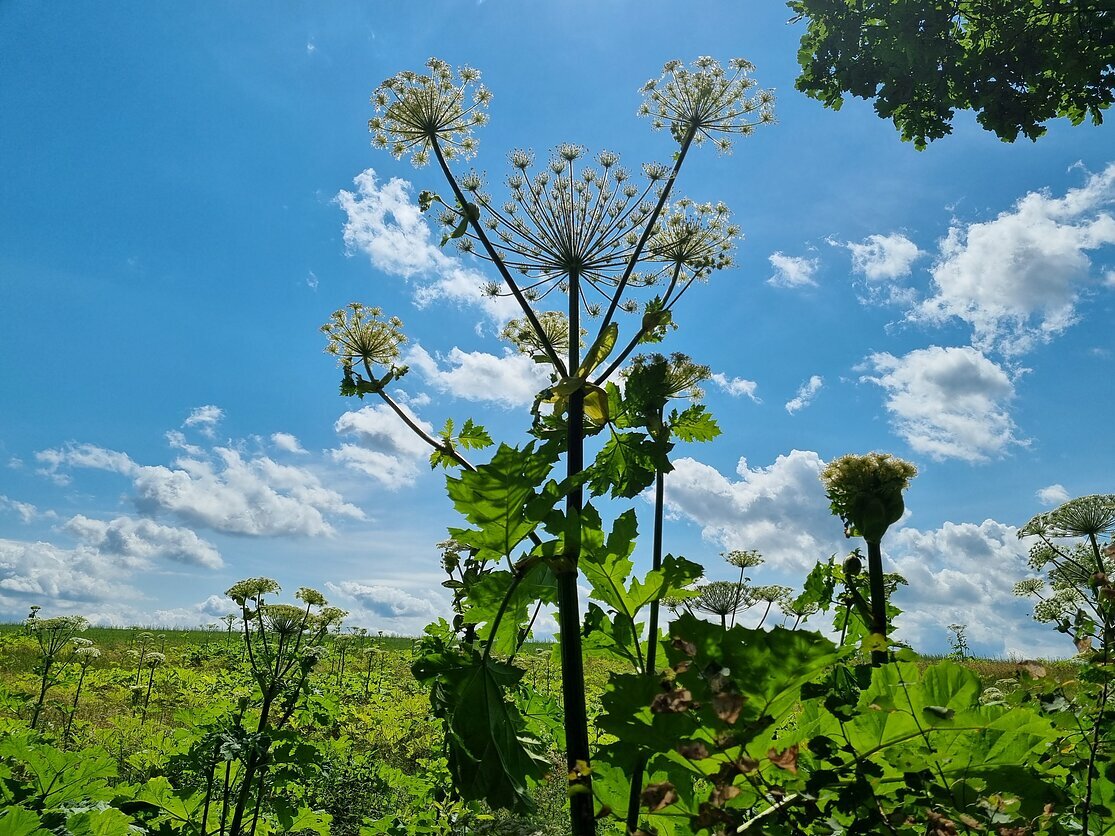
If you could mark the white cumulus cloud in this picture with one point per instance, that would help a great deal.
(384, 447)
(141, 541)
(881, 258)
(509, 380)
(806, 392)
(387, 226)
(221, 490)
(780, 510)
(1053, 495)
(38, 571)
(960, 573)
(964, 573)
(1018, 279)
(793, 271)
(949, 403)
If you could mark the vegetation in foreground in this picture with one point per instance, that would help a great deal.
(704, 727)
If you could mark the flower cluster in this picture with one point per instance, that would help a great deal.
(706, 101)
(358, 334)
(418, 112)
(1082, 517)
(866, 492)
(653, 377)
(555, 327)
(564, 219)
(696, 236)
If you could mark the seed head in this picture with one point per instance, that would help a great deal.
(310, 597)
(720, 598)
(743, 558)
(555, 325)
(1029, 586)
(652, 377)
(284, 619)
(251, 589)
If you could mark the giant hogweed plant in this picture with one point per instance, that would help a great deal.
(603, 245)
(697, 736)
(1077, 596)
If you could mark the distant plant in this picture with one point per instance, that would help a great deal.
(84, 654)
(283, 643)
(958, 641)
(153, 660)
(56, 652)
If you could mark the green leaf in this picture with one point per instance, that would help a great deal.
(176, 806)
(302, 820)
(767, 668)
(596, 404)
(599, 351)
(496, 495)
(19, 821)
(606, 564)
(694, 424)
(473, 436)
(491, 755)
(107, 822)
(56, 778)
(625, 466)
(671, 580)
(610, 637)
(486, 595)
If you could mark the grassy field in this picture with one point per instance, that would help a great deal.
(363, 753)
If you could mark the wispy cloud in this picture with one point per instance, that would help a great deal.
(793, 271)
(24, 510)
(806, 392)
(387, 226)
(287, 443)
(205, 419)
(736, 386)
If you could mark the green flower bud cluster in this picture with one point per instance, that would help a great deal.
(866, 492)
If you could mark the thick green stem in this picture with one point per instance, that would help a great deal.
(43, 686)
(578, 758)
(878, 599)
(652, 646)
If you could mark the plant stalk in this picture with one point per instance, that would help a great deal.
(578, 758)
(878, 599)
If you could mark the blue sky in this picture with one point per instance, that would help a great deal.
(189, 191)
